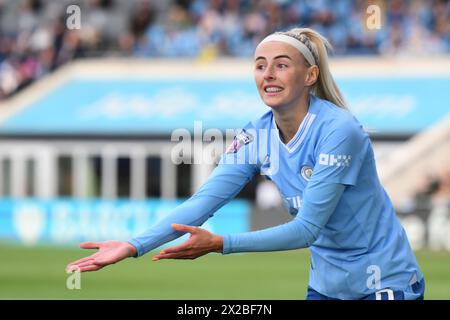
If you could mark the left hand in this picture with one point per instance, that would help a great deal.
(199, 243)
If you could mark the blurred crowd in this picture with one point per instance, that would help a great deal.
(34, 38)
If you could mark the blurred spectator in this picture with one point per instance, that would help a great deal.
(432, 191)
(427, 188)
(427, 214)
(34, 39)
(442, 193)
(439, 219)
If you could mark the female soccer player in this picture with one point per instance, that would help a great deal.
(323, 164)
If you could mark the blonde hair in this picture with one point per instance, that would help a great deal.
(325, 86)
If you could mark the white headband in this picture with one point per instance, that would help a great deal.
(300, 46)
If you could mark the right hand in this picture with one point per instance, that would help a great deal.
(109, 252)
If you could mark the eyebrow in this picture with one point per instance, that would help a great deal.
(277, 57)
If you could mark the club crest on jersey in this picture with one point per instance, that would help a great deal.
(239, 140)
(306, 172)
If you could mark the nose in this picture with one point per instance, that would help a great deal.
(268, 73)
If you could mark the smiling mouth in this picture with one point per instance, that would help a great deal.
(272, 90)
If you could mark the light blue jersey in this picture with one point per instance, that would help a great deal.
(327, 177)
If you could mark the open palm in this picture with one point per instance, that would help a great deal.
(109, 252)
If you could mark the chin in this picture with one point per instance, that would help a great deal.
(273, 104)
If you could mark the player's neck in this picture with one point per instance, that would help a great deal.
(288, 119)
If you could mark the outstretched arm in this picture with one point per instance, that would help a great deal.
(319, 203)
(225, 182)
(222, 186)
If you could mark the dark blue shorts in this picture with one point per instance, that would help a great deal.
(384, 294)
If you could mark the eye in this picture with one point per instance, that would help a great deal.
(260, 67)
(282, 66)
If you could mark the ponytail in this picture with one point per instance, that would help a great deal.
(325, 86)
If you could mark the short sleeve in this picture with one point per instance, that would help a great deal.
(340, 154)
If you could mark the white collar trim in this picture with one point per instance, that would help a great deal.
(300, 135)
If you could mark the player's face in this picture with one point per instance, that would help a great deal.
(281, 74)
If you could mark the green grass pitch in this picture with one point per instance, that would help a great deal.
(38, 273)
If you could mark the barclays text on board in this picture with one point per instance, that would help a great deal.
(68, 221)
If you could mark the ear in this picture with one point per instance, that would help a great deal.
(312, 75)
